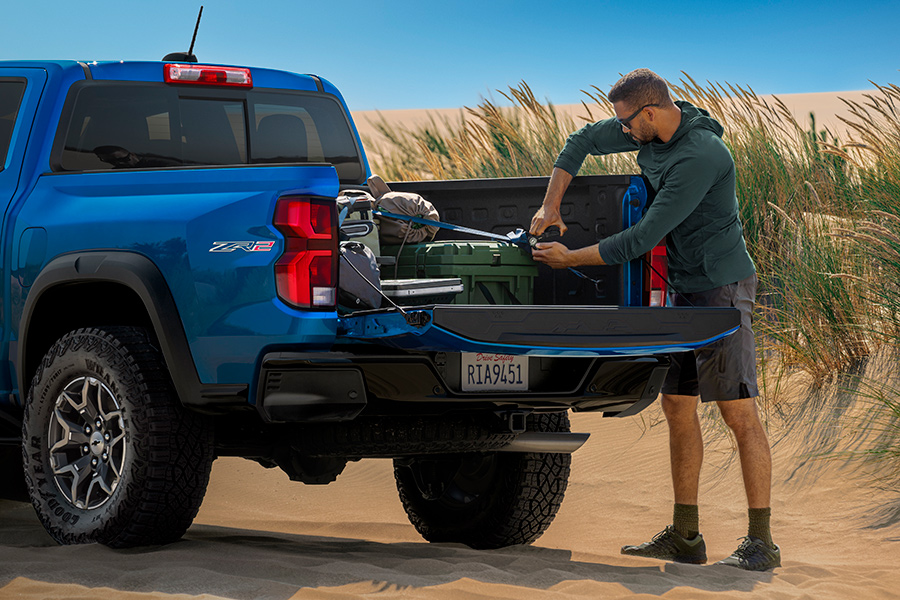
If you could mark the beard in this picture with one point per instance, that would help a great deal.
(643, 134)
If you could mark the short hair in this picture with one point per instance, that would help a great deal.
(641, 87)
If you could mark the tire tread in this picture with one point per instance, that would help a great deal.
(173, 447)
(528, 493)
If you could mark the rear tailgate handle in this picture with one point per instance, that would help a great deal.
(384, 323)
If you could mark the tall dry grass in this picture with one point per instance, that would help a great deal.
(488, 141)
(821, 214)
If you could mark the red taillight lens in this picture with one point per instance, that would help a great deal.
(658, 275)
(306, 274)
(208, 75)
(306, 218)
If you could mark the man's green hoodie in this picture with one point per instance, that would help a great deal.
(695, 204)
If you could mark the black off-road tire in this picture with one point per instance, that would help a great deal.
(487, 500)
(132, 470)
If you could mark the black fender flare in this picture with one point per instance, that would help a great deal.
(140, 274)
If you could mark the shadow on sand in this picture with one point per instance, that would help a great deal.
(239, 564)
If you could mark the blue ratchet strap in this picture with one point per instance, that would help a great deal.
(519, 237)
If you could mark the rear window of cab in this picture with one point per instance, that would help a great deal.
(127, 125)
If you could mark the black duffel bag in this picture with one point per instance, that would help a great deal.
(360, 279)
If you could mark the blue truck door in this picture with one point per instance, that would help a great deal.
(20, 91)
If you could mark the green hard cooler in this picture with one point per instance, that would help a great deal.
(491, 272)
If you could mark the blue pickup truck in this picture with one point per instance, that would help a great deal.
(170, 251)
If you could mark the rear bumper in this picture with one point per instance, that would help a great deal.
(338, 386)
(584, 358)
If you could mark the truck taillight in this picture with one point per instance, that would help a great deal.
(306, 274)
(655, 279)
(207, 75)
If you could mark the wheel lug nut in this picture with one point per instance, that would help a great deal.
(87, 429)
(85, 449)
(98, 423)
(105, 456)
(93, 462)
(107, 437)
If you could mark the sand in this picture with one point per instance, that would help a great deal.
(260, 536)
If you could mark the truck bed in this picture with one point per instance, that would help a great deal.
(594, 207)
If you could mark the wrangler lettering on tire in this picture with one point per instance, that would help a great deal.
(113, 457)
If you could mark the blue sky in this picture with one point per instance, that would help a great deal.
(406, 54)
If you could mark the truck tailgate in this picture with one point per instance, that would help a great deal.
(543, 330)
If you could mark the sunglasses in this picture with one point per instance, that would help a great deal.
(625, 122)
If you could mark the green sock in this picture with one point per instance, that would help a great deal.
(759, 524)
(686, 520)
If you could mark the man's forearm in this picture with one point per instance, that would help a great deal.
(557, 256)
(559, 183)
(548, 214)
(588, 255)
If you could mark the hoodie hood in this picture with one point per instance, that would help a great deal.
(693, 118)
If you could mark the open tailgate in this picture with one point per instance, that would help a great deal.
(543, 330)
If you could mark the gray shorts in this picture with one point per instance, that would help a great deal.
(725, 369)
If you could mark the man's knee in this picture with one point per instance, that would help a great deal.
(679, 407)
(740, 415)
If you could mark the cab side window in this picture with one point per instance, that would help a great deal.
(11, 92)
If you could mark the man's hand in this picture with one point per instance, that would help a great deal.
(545, 218)
(552, 254)
(557, 256)
(548, 213)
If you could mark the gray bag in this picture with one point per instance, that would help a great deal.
(395, 231)
(359, 278)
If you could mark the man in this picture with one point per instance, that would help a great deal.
(681, 153)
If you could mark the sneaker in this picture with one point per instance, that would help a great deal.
(668, 544)
(754, 555)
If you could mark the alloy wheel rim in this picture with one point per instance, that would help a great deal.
(87, 443)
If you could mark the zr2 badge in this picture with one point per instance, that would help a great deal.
(245, 246)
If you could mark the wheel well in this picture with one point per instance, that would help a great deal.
(70, 306)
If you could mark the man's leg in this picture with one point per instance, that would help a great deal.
(742, 418)
(685, 446)
(680, 541)
(758, 552)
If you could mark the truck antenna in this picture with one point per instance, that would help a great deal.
(189, 55)
(196, 27)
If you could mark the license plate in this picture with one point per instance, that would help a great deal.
(494, 372)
